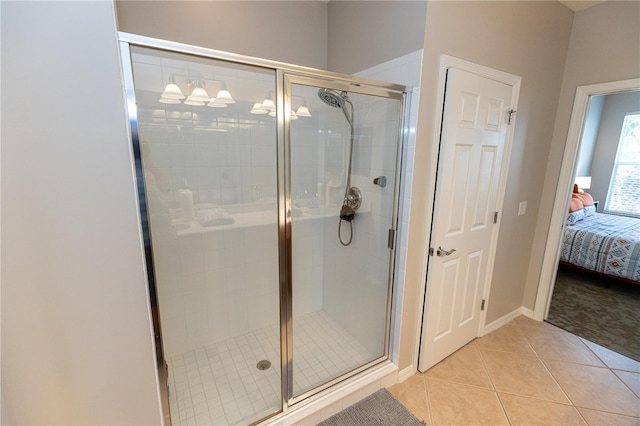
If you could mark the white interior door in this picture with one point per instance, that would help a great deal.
(474, 132)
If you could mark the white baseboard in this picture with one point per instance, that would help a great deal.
(505, 319)
(405, 373)
(527, 312)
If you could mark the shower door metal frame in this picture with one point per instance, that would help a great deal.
(285, 75)
(317, 81)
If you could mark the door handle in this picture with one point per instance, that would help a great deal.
(442, 252)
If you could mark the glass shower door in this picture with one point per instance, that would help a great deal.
(343, 151)
(208, 160)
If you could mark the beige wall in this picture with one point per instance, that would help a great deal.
(529, 39)
(605, 46)
(77, 344)
(342, 36)
(287, 31)
(367, 33)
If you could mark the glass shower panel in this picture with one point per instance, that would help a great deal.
(341, 269)
(209, 167)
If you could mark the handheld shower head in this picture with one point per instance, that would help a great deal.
(352, 195)
(332, 98)
(337, 100)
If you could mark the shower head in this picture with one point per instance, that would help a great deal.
(332, 98)
(337, 100)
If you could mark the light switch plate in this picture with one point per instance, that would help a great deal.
(522, 208)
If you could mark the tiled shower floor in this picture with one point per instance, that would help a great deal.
(220, 384)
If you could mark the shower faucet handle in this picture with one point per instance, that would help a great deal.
(381, 181)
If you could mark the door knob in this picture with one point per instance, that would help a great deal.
(442, 252)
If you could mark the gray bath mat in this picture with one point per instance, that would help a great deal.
(380, 408)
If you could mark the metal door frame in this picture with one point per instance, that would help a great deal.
(287, 79)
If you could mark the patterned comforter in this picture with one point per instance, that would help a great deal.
(604, 243)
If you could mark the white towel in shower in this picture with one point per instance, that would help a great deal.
(214, 217)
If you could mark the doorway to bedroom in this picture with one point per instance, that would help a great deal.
(596, 292)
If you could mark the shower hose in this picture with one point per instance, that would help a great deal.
(340, 232)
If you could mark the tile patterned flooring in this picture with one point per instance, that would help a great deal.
(220, 384)
(526, 373)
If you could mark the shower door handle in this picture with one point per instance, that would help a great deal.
(441, 252)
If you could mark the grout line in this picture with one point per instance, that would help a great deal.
(504, 410)
(428, 398)
(584, 419)
(555, 380)
(486, 370)
(625, 383)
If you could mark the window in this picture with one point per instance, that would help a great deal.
(624, 188)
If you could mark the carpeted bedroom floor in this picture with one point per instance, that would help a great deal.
(600, 309)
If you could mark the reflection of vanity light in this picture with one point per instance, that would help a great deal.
(199, 94)
(303, 111)
(224, 97)
(268, 104)
(215, 104)
(169, 101)
(258, 108)
(171, 94)
(193, 102)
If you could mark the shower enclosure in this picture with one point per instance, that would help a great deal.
(268, 201)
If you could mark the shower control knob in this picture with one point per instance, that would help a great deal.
(381, 181)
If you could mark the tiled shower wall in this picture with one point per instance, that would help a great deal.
(355, 277)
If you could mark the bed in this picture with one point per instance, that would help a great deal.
(604, 243)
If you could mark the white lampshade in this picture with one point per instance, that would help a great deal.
(258, 109)
(293, 115)
(172, 91)
(199, 94)
(272, 113)
(214, 103)
(303, 111)
(225, 97)
(268, 104)
(583, 182)
(193, 102)
(164, 100)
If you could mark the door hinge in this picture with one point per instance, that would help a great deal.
(482, 305)
(495, 217)
(392, 238)
(430, 251)
(511, 112)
